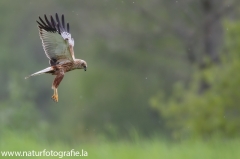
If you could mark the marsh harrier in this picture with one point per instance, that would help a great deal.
(58, 46)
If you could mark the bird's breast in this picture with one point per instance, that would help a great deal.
(66, 67)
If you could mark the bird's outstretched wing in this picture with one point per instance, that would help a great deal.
(56, 39)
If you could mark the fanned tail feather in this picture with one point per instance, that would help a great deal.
(46, 70)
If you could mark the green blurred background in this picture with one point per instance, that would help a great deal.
(162, 80)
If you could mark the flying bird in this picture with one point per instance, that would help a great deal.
(58, 46)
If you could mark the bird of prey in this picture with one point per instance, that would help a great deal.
(58, 47)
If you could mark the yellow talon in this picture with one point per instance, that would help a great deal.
(55, 98)
(55, 95)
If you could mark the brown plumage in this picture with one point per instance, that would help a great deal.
(58, 46)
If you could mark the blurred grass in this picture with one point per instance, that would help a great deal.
(152, 148)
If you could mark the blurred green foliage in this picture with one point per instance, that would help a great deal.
(137, 51)
(215, 112)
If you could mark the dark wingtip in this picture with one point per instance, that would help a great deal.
(52, 25)
(53, 22)
(42, 22)
(59, 27)
(63, 23)
(49, 24)
(57, 17)
(39, 24)
(68, 29)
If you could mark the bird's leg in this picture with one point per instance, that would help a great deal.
(56, 82)
(55, 95)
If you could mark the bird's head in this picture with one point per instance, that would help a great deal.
(83, 65)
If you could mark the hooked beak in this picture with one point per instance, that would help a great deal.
(85, 68)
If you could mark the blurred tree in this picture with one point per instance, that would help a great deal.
(198, 25)
(214, 112)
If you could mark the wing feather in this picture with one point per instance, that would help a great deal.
(49, 24)
(68, 27)
(63, 24)
(42, 22)
(56, 40)
(53, 22)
